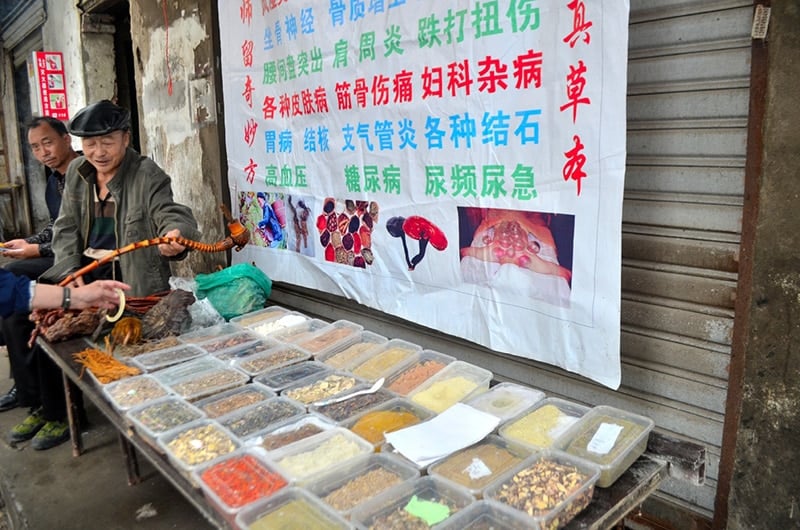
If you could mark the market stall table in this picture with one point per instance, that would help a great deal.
(608, 506)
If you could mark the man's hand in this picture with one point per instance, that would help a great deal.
(20, 249)
(172, 249)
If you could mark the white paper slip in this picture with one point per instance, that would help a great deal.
(456, 428)
(604, 438)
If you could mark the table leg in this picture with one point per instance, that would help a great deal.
(131, 460)
(72, 418)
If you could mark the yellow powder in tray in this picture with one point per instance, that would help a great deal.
(443, 394)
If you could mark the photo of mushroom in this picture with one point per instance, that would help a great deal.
(420, 229)
(532, 250)
(297, 234)
(345, 231)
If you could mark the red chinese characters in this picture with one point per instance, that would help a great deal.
(573, 167)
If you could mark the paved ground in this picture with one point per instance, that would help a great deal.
(52, 489)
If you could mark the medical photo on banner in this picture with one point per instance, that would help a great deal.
(456, 164)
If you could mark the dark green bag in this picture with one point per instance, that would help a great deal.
(236, 290)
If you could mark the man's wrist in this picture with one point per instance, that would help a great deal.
(66, 299)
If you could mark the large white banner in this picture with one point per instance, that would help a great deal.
(457, 164)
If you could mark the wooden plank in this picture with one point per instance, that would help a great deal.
(686, 460)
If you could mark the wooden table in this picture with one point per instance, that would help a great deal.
(608, 507)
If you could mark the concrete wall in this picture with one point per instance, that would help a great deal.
(765, 486)
(62, 32)
(177, 107)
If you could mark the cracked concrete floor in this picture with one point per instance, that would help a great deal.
(53, 489)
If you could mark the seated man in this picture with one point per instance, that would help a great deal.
(51, 144)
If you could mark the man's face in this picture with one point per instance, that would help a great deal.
(49, 147)
(106, 152)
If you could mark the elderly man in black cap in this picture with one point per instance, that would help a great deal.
(113, 196)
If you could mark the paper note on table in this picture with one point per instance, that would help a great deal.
(458, 427)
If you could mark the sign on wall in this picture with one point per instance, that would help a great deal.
(50, 85)
(456, 164)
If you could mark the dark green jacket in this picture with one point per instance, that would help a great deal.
(145, 210)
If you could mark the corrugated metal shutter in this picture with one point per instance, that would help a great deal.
(18, 32)
(688, 90)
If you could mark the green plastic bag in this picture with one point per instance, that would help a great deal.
(235, 290)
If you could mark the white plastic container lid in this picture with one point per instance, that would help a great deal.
(506, 400)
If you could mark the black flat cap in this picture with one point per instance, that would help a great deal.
(100, 118)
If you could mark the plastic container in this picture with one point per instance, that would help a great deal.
(341, 411)
(428, 364)
(339, 332)
(506, 400)
(306, 460)
(159, 359)
(393, 415)
(223, 343)
(242, 351)
(209, 333)
(234, 399)
(458, 381)
(300, 332)
(197, 443)
(609, 437)
(551, 487)
(287, 376)
(269, 327)
(359, 481)
(387, 359)
(541, 425)
(201, 377)
(345, 356)
(290, 508)
(133, 391)
(255, 318)
(289, 432)
(487, 514)
(400, 507)
(477, 466)
(257, 418)
(238, 480)
(153, 419)
(324, 385)
(271, 359)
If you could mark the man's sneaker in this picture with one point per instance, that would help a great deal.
(9, 401)
(52, 434)
(29, 426)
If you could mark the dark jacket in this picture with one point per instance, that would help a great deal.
(52, 196)
(15, 294)
(145, 209)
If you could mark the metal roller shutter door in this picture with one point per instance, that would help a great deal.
(688, 90)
